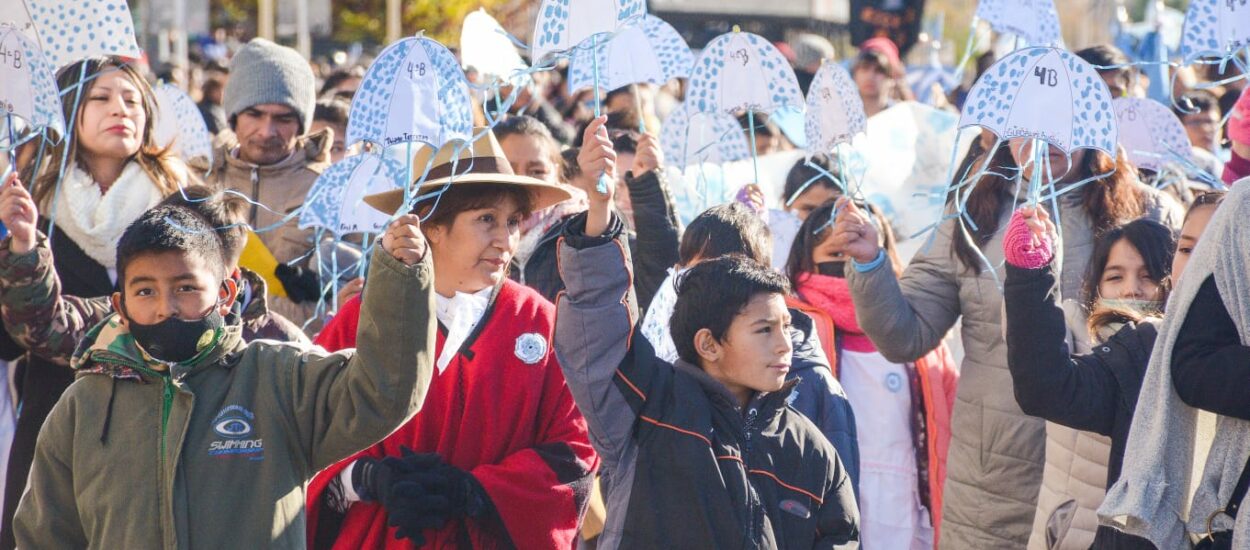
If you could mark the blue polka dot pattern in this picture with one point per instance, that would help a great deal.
(1151, 133)
(835, 112)
(414, 91)
(649, 52)
(1216, 28)
(1047, 94)
(70, 30)
(335, 201)
(1036, 21)
(740, 71)
(189, 133)
(28, 83)
(558, 29)
(687, 139)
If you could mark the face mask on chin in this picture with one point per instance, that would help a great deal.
(1147, 307)
(832, 269)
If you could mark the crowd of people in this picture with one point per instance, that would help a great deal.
(533, 362)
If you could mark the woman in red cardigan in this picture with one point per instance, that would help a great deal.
(499, 458)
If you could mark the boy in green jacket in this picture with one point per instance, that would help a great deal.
(177, 434)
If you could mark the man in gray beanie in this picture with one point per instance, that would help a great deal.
(809, 51)
(267, 156)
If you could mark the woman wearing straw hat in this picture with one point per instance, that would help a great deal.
(500, 456)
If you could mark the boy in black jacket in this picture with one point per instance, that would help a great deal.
(704, 453)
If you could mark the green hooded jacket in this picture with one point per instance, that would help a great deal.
(215, 452)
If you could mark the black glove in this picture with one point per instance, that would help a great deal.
(431, 494)
(374, 479)
(301, 284)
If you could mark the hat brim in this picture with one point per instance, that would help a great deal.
(542, 193)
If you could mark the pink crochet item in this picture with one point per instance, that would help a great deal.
(1018, 245)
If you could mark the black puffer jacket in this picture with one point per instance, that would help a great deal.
(689, 466)
(1095, 392)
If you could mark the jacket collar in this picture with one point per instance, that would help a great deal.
(309, 148)
(109, 349)
(769, 404)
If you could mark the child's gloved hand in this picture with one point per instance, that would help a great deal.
(1029, 240)
(19, 214)
(404, 241)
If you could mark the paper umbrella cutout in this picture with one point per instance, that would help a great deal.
(741, 71)
(178, 121)
(689, 139)
(336, 200)
(1151, 133)
(70, 30)
(485, 47)
(649, 52)
(1047, 94)
(1217, 28)
(1036, 21)
(562, 25)
(413, 92)
(28, 88)
(835, 112)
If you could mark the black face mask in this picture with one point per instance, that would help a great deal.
(832, 269)
(175, 340)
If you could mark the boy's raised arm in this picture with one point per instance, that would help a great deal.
(345, 402)
(595, 316)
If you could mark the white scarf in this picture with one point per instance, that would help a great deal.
(460, 314)
(95, 221)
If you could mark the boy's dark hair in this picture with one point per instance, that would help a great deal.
(1154, 241)
(801, 173)
(712, 293)
(333, 111)
(169, 229)
(226, 214)
(726, 229)
(523, 125)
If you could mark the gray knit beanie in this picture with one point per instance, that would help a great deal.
(810, 48)
(263, 72)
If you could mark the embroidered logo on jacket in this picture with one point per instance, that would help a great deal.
(235, 424)
(531, 347)
(794, 507)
